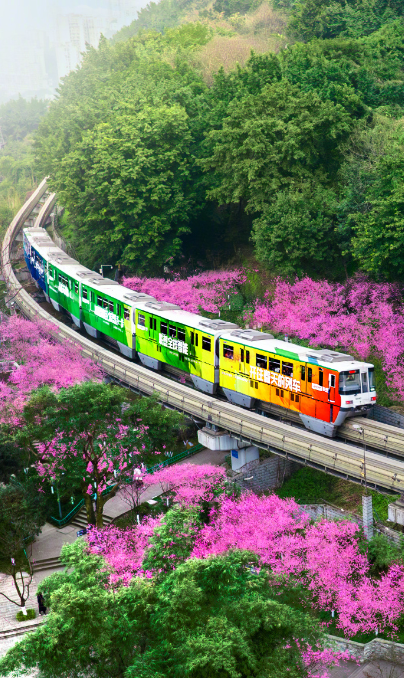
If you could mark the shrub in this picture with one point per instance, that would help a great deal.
(31, 614)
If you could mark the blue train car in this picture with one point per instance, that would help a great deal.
(36, 251)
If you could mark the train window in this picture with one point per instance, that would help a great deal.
(277, 391)
(181, 334)
(242, 355)
(206, 343)
(287, 369)
(196, 338)
(228, 351)
(364, 382)
(372, 379)
(155, 324)
(274, 365)
(309, 374)
(320, 377)
(163, 328)
(261, 361)
(192, 337)
(251, 383)
(297, 398)
(126, 313)
(303, 372)
(76, 288)
(51, 272)
(141, 320)
(118, 310)
(256, 384)
(111, 306)
(281, 393)
(247, 357)
(332, 380)
(84, 293)
(93, 297)
(105, 304)
(292, 396)
(349, 382)
(172, 331)
(99, 301)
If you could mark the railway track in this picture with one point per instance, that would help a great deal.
(352, 462)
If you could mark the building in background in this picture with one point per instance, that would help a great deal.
(32, 63)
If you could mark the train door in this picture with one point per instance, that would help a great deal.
(241, 364)
(331, 388)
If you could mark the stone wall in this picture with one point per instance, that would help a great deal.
(375, 649)
(261, 475)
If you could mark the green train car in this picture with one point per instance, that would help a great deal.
(140, 326)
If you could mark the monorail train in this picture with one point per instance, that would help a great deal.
(323, 387)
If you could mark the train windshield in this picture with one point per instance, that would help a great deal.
(349, 382)
(372, 385)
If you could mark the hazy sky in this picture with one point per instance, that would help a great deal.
(19, 15)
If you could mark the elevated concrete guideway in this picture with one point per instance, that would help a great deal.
(331, 456)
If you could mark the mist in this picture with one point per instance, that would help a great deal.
(41, 41)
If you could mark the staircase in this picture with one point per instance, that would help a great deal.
(46, 564)
(80, 519)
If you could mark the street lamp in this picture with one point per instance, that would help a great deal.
(104, 266)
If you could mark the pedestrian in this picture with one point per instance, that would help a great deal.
(41, 604)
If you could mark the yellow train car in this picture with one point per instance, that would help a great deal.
(323, 387)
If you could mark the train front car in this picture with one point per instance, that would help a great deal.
(37, 247)
(322, 388)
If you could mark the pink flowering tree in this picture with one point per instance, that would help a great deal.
(324, 558)
(208, 291)
(31, 356)
(361, 316)
(86, 438)
(190, 484)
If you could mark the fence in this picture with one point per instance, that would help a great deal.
(386, 416)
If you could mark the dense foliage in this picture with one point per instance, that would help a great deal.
(300, 150)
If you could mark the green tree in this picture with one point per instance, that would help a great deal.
(20, 117)
(371, 210)
(131, 186)
(213, 617)
(296, 233)
(22, 514)
(274, 139)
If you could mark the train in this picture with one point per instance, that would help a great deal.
(250, 368)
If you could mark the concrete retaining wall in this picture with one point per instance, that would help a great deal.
(375, 649)
(259, 476)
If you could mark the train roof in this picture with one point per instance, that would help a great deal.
(163, 309)
(333, 360)
(45, 246)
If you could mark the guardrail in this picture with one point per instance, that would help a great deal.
(329, 455)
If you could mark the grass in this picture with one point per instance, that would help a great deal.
(309, 486)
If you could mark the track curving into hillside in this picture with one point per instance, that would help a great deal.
(333, 456)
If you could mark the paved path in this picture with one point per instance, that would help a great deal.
(51, 539)
(373, 669)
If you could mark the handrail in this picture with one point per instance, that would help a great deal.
(60, 522)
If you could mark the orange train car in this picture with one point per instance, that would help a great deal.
(324, 387)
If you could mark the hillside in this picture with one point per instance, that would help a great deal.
(176, 144)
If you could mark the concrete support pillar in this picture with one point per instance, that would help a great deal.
(367, 511)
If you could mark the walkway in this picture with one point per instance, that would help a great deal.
(48, 544)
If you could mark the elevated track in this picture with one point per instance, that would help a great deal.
(350, 461)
